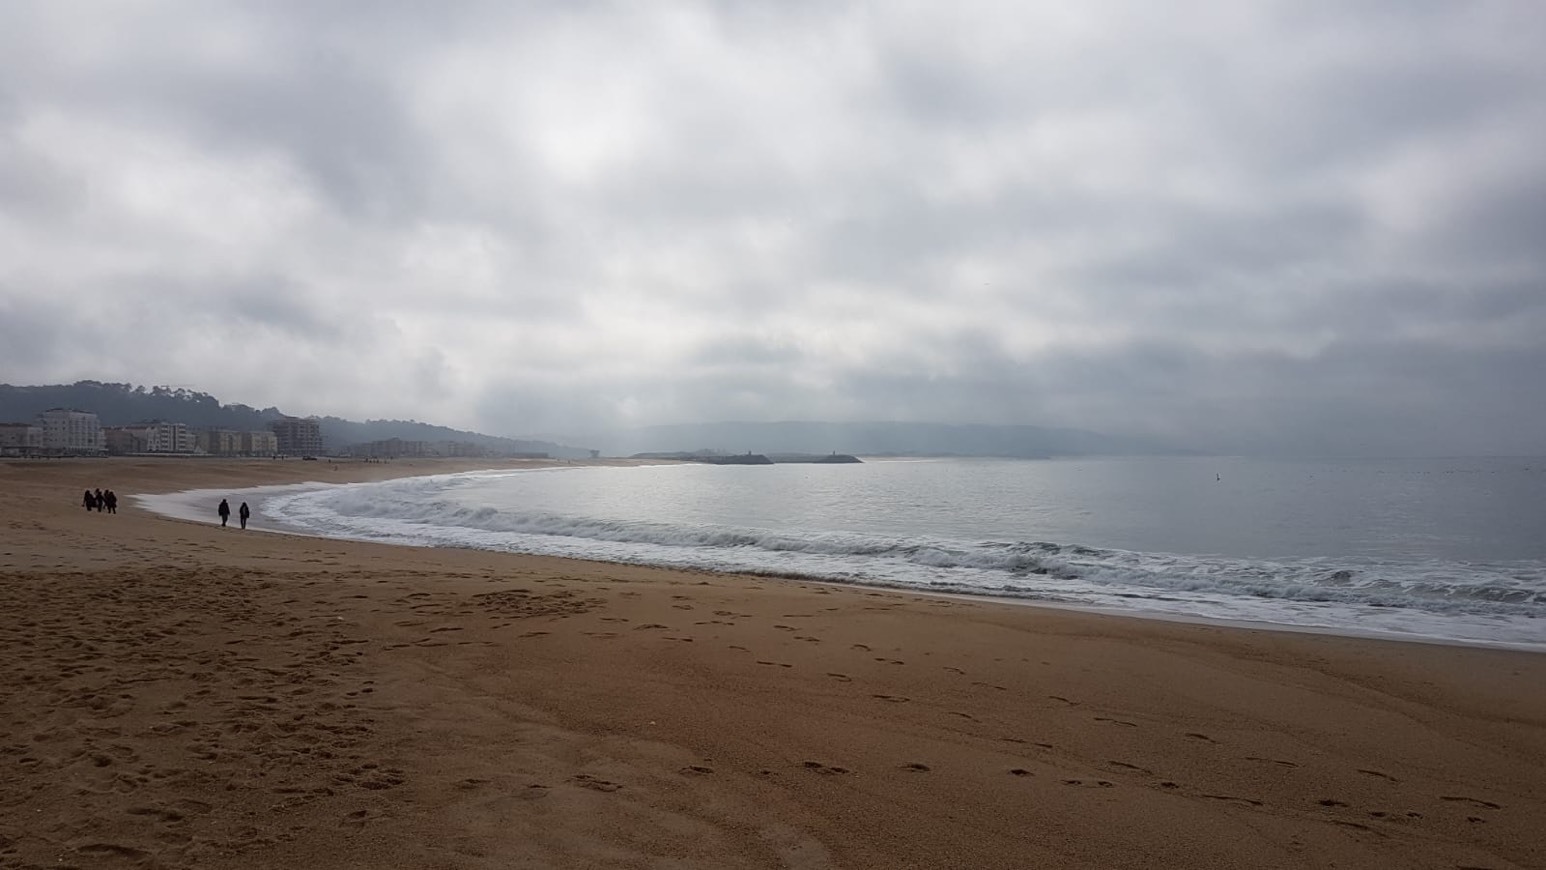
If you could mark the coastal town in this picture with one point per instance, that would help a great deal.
(70, 432)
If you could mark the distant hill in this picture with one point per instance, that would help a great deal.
(338, 432)
(876, 439)
(122, 404)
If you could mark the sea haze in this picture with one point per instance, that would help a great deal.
(1451, 549)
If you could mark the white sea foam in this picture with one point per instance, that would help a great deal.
(1502, 602)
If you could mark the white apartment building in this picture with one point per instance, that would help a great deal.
(163, 437)
(70, 432)
(260, 443)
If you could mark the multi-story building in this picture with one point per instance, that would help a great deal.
(259, 443)
(70, 432)
(220, 442)
(124, 440)
(462, 449)
(20, 439)
(393, 448)
(298, 436)
(163, 437)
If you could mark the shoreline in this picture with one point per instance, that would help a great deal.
(182, 695)
(178, 505)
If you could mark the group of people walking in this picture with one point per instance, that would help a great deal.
(224, 511)
(99, 501)
(106, 500)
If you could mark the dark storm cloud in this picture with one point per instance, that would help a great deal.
(1282, 227)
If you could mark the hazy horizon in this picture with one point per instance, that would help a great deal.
(1276, 228)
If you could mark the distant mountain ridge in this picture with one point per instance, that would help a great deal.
(123, 404)
(878, 439)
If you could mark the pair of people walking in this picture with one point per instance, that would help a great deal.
(224, 511)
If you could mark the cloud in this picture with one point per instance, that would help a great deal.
(1295, 227)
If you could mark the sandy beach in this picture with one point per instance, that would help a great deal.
(178, 695)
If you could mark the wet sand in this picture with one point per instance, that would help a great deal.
(180, 695)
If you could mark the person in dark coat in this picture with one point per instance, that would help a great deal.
(224, 511)
(243, 513)
(101, 502)
(89, 501)
(111, 499)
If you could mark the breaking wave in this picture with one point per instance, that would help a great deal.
(1496, 602)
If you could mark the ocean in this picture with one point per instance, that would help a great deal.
(1440, 549)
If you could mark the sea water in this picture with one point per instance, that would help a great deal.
(1451, 549)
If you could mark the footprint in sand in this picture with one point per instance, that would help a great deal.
(915, 766)
(697, 770)
(1377, 773)
(824, 769)
(585, 780)
(895, 699)
(1121, 722)
(359, 818)
(780, 664)
(1470, 800)
(1225, 797)
(842, 678)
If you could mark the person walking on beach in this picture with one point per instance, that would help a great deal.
(224, 511)
(243, 513)
(111, 499)
(101, 502)
(89, 501)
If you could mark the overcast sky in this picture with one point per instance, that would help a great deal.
(1303, 226)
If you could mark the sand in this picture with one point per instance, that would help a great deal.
(177, 695)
